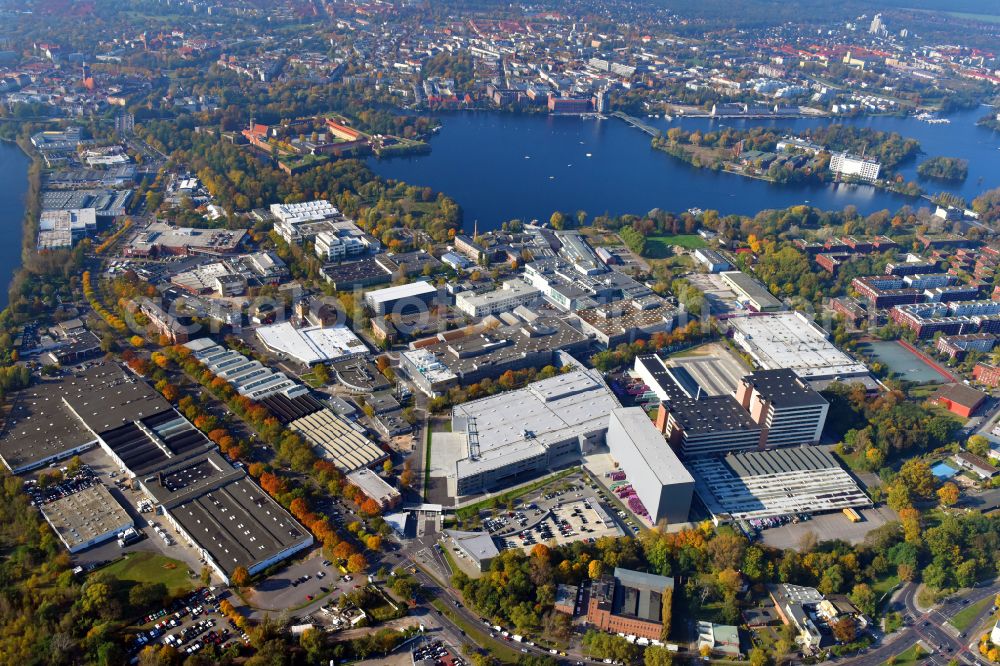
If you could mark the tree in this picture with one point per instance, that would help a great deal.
(206, 576)
(978, 445)
(863, 597)
(387, 466)
(595, 569)
(146, 595)
(240, 577)
(759, 657)
(557, 220)
(948, 494)
(916, 475)
(845, 629)
(657, 656)
(357, 563)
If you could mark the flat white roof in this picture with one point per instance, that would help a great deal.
(652, 446)
(313, 344)
(790, 340)
(419, 288)
(524, 423)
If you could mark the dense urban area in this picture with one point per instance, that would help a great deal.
(263, 405)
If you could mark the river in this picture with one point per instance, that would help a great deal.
(504, 166)
(13, 186)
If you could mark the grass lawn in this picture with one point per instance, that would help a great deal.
(144, 567)
(964, 618)
(658, 247)
(911, 656)
(473, 509)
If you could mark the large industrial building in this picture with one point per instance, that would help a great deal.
(86, 518)
(629, 603)
(789, 411)
(211, 504)
(414, 296)
(790, 340)
(512, 294)
(312, 344)
(626, 321)
(779, 482)
(657, 475)
(516, 435)
(250, 378)
(163, 238)
(750, 292)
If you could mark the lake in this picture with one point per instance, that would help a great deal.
(505, 166)
(13, 186)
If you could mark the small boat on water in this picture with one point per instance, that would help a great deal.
(589, 155)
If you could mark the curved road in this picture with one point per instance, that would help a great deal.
(931, 629)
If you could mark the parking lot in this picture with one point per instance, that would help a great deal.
(308, 582)
(189, 624)
(436, 652)
(563, 523)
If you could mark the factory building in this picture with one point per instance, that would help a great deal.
(657, 475)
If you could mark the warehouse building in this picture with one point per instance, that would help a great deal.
(624, 322)
(312, 344)
(780, 482)
(86, 518)
(657, 475)
(375, 487)
(416, 296)
(338, 441)
(163, 238)
(210, 503)
(790, 340)
(750, 292)
(629, 603)
(250, 378)
(557, 420)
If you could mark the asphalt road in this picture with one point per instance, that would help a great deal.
(930, 630)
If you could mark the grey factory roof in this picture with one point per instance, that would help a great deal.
(790, 340)
(775, 482)
(651, 446)
(633, 594)
(752, 289)
(239, 524)
(477, 545)
(146, 446)
(51, 417)
(780, 461)
(548, 411)
(500, 345)
(85, 515)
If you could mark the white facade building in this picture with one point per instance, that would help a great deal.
(846, 164)
(513, 294)
(657, 475)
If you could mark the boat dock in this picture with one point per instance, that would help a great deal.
(635, 122)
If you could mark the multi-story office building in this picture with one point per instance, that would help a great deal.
(511, 295)
(788, 410)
